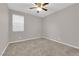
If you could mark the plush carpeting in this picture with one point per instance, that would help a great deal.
(40, 47)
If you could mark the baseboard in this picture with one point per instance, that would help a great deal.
(61, 42)
(5, 49)
(24, 40)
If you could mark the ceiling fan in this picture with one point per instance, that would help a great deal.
(39, 6)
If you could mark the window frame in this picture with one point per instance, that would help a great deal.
(23, 22)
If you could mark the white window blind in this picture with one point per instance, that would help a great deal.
(18, 23)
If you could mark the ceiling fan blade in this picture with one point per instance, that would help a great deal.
(45, 4)
(32, 8)
(44, 9)
(36, 3)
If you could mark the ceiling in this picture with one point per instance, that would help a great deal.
(24, 7)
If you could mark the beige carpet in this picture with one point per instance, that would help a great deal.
(40, 47)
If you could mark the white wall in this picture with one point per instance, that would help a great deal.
(3, 27)
(32, 27)
(63, 25)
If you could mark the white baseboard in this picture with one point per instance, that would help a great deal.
(24, 40)
(61, 42)
(5, 49)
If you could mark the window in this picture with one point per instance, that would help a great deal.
(18, 23)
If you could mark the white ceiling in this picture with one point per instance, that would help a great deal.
(24, 7)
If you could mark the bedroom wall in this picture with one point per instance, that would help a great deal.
(3, 27)
(63, 26)
(32, 27)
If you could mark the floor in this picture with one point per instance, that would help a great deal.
(40, 47)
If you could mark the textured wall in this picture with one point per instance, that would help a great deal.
(63, 25)
(3, 27)
(32, 27)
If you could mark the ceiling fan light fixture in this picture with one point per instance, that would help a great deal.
(39, 9)
(40, 6)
